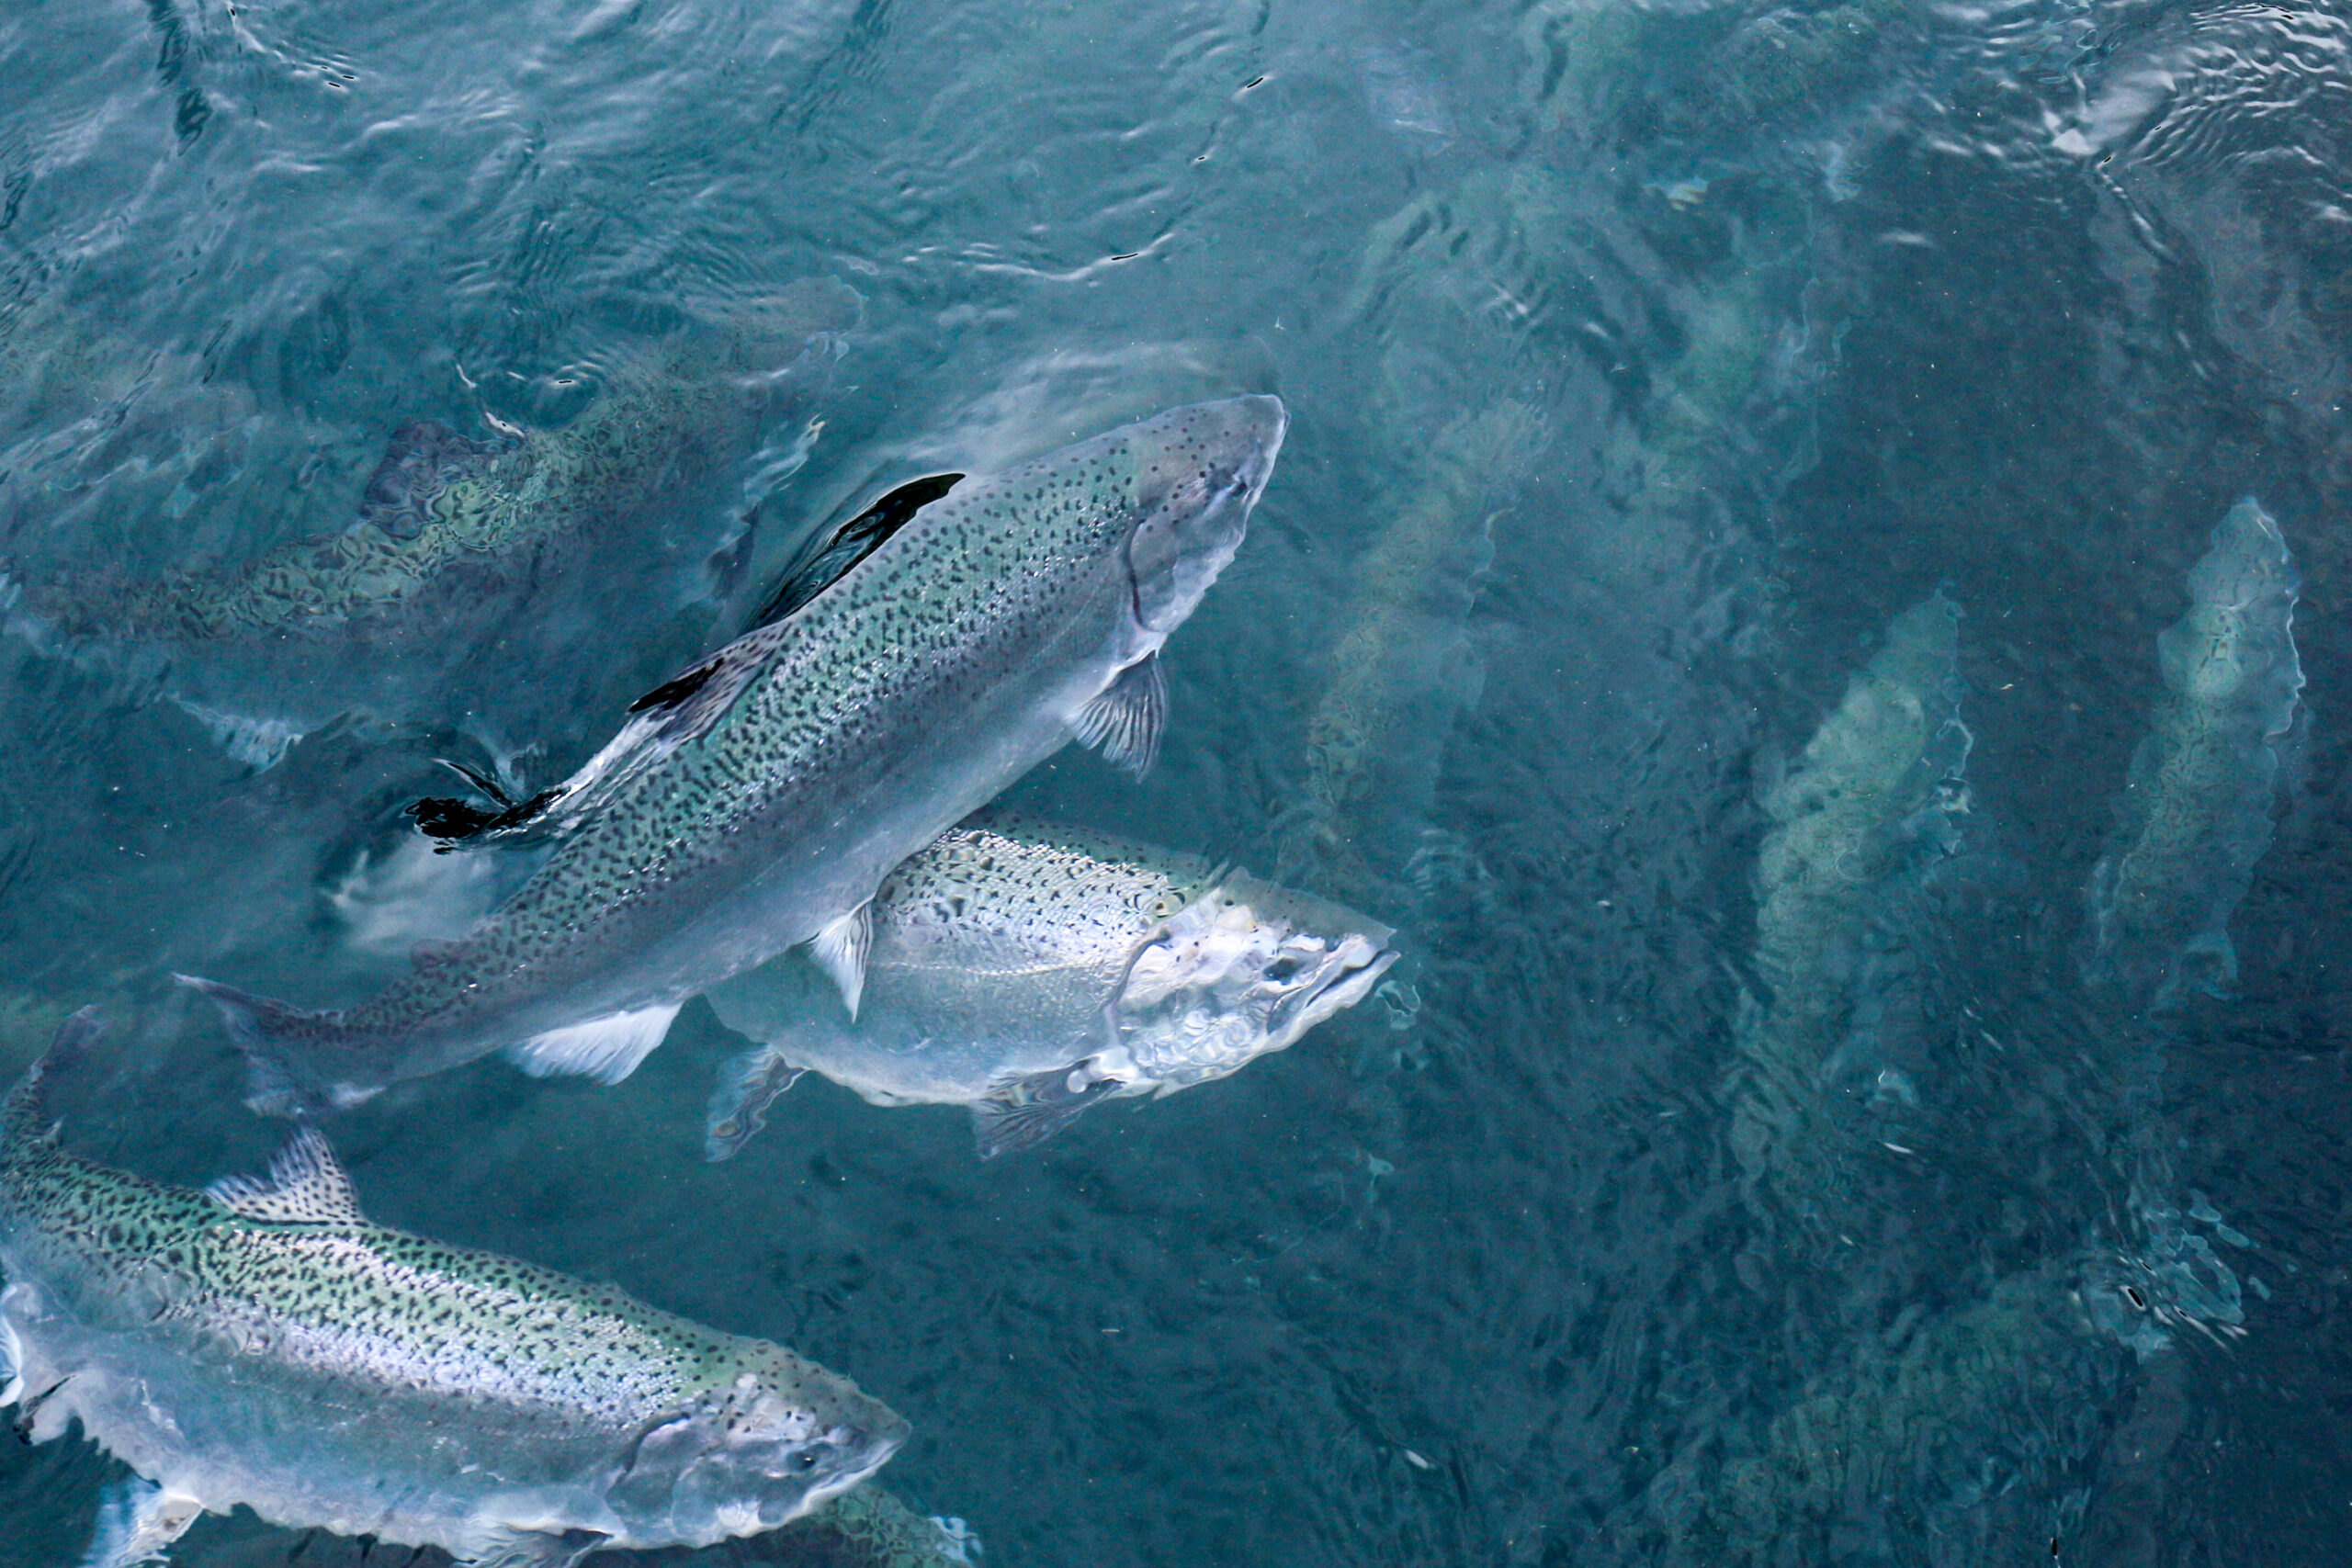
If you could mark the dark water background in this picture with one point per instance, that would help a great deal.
(1645, 363)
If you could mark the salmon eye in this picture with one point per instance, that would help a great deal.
(806, 1460)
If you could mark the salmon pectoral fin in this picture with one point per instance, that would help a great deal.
(1125, 723)
(748, 1085)
(1023, 1112)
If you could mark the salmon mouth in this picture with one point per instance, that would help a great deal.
(1355, 967)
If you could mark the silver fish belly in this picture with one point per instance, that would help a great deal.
(757, 801)
(263, 1344)
(1029, 971)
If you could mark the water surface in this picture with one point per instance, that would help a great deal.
(1743, 461)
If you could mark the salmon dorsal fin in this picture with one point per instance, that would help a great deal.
(828, 558)
(306, 1186)
(680, 710)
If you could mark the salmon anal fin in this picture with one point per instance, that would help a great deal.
(608, 1049)
(1024, 1112)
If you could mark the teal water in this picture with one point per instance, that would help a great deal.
(1732, 597)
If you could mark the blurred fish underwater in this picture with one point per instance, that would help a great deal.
(1781, 687)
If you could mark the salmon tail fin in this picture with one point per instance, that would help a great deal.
(265, 1029)
(28, 1107)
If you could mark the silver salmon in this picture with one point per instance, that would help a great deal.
(260, 1343)
(756, 802)
(1030, 971)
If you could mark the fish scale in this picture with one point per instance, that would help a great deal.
(756, 802)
